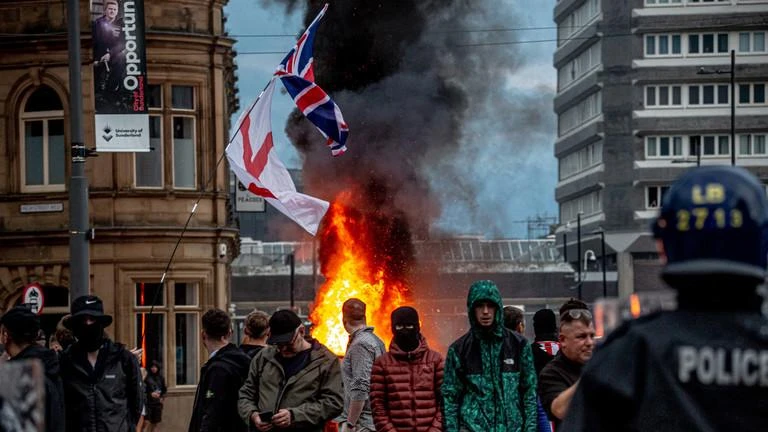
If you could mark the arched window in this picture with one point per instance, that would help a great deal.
(43, 148)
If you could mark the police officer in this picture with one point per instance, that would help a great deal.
(704, 366)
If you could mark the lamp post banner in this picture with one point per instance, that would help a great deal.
(120, 76)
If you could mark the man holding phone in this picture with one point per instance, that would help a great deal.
(294, 383)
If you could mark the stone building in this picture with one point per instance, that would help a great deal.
(138, 202)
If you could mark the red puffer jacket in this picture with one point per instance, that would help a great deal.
(405, 390)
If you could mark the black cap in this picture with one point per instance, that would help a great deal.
(91, 306)
(282, 326)
(21, 321)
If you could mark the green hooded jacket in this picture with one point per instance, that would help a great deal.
(490, 380)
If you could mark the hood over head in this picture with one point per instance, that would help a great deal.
(485, 290)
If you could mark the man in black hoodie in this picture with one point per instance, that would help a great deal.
(221, 377)
(102, 379)
(18, 331)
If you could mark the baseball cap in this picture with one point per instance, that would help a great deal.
(91, 306)
(282, 326)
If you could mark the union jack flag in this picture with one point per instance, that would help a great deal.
(299, 59)
(297, 75)
(320, 109)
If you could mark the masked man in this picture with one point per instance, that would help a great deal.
(102, 379)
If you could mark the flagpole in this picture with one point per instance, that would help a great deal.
(247, 113)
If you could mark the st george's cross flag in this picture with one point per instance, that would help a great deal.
(252, 157)
(297, 74)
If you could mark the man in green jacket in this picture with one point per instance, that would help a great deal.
(294, 383)
(490, 380)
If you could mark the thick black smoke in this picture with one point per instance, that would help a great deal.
(409, 77)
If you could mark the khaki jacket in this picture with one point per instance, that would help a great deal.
(313, 395)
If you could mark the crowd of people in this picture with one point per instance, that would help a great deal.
(701, 367)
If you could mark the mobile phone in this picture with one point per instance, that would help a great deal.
(266, 416)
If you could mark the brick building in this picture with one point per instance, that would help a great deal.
(138, 203)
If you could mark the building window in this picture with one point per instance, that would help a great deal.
(183, 152)
(662, 2)
(172, 120)
(179, 302)
(663, 45)
(752, 145)
(660, 96)
(710, 145)
(708, 43)
(577, 20)
(184, 149)
(654, 196)
(708, 94)
(663, 146)
(43, 149)
(579, 67)
(580, 114)
(752, 42)
(752, 94)
(581, 160)
(149, 165)
(587, 204)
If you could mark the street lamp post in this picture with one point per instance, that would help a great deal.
(732, 73)
(578, 250)
(565, 246)
(79, 254)
(291, 261)
(602, 258)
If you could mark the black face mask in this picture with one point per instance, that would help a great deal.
(407, 339)
(90, 337)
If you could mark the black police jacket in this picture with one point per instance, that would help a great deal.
(221, 377)
(107, 398)
(54, 391)
(677, 371)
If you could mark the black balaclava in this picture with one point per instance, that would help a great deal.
(90, 337)
(406, 339)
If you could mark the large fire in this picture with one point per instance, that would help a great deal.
(355, 265)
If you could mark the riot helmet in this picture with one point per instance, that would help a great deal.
(714, 223)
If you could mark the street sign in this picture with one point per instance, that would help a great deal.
(33, 296)
(245, 201)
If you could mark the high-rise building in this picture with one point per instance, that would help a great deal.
(646, 90)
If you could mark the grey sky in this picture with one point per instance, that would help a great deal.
(509, 181)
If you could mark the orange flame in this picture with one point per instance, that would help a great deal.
(351, 270)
